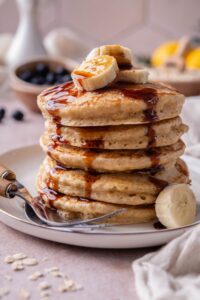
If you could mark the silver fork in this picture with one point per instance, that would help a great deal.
(11, 187)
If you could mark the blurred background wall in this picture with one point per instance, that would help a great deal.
(139, 24)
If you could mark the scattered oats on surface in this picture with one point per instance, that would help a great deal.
(24, 294)
(45, 298)
(52, 269)
(69, 286)
(17, 266)
(66, 286)
(56, 273)
(30, 261)
(19, 256)
(36, 275)
(45, 259)
(9, 259)
(44, 285)
(44, 294)
(8, 277)
(4, 291)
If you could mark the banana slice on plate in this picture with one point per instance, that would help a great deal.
(133, 75)
(123, 55)
(95, 73)
(176, 206)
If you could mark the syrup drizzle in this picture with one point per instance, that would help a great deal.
(52, 182)
(160, 184)
(41, 206)
(61, 96)
(89, 157)
(53, 186)
(150, 97)
(96, 144)
(90, 179)
(182, 169)
(51, 196)
(125, 66)
(58, 138)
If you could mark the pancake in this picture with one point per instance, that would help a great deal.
(73, 207)
(111, 160)
(159, 134)
(119, 188)
(123, 103)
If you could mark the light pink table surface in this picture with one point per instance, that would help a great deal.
(104, 274)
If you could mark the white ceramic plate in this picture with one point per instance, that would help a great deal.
(25, 162)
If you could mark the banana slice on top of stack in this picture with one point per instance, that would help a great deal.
(105, 65)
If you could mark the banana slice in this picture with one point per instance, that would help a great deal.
(95, 73)
(123, 55)
(133, 75)
(176, 206)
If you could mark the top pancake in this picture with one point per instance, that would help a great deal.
(122, 103)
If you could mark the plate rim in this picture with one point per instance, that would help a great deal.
(79, 230)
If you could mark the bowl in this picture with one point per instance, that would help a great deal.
(28, 92)
(187, 82)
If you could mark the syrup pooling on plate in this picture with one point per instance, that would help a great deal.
(159, 226)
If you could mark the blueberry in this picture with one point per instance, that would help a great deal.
(2, 113)
(38, 80)
(62, 79)
(18, 115)
(61, 71)
(66, 78)
(42, 69)
(26, 75)
(58, 79)
(50, 78)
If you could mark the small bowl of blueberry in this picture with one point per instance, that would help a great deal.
(32, 77)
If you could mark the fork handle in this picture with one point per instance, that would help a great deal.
(7, 188)
(6, 173)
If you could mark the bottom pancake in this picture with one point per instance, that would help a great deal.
(79, 208)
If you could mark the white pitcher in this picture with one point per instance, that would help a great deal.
(27, 42)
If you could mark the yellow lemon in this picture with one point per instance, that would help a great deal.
(192, 60)
(162, 52)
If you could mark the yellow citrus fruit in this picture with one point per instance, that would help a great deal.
(164, 51)
(192, 59)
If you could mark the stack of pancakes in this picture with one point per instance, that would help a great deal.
(112, 148)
